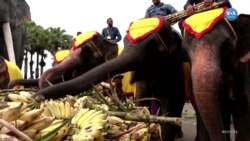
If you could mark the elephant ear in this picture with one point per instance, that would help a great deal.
(19, 12)
(243, 44)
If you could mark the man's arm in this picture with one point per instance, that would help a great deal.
(103, 32)
(227, 3)
(189, 2)
(147, 13)
(118, 36)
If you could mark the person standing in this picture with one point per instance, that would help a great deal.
(158, 8)
(111, 33)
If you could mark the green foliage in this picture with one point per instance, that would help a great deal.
(50, 39)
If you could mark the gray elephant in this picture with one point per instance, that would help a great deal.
(155, 55)
(92, 50)
(13, 13)
(220, 77)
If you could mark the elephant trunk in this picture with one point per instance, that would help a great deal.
(23, 82)
(206, 78)
(67, 64)
(117, 65)
(9, 41)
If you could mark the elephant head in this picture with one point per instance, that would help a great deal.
(12, 14)
(153, 51)
(89, 50)
(217, 63)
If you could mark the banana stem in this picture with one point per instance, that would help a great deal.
(15, 130)
(147, 118)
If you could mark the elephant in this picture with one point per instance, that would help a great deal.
(220, 77)
(13, 13)
(89, 56)
(155, 57)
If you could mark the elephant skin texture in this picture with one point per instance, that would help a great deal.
(220, 79)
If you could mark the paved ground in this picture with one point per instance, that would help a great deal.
(189, 124)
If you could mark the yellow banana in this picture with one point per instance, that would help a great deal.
(80, 101)
(137, 135)
(78, 115)
(62, 109)
(101, 123)
(47, 113)
(123, 126)
(145, 111)
(96, 134)
(54, 105)
(88, 119)
(30, 132)
(25, 94)
(18, 98)
(41, 123)
(31, 115)
(54, 125)
(126, 137)
(113, 132)
(60, 134)
(84, 117)
(68, 110)
(99, 117)
(113, 127)
(115, 120)
(50, 105)
(25, 111)
(11, 113)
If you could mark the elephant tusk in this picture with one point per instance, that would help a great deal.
(9, 42)
(50, 84)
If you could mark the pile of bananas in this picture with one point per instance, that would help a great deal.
(36, 119)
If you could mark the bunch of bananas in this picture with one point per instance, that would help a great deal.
(58, 109)
(59, 135)
(89, 125)
(24, 97)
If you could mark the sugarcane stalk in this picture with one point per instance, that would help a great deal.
(146, 118)
(5, 92)
(173, 18)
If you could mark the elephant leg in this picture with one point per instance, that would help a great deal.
(241, 94)
(206, 78)
(172, 100)
(142, 92)
(202, 134)
(242, 114)
(226, 111)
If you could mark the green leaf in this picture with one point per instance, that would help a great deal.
(51, 134)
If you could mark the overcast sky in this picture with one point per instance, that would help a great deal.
(91, 15)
